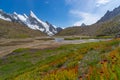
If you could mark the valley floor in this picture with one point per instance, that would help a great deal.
(8, 45)
(38, 59)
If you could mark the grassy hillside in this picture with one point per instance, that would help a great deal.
(89, 61)
(15, 30)
(72, 31)
(110, 27)
(107, 28)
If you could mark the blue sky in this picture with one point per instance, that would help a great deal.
(62, 13)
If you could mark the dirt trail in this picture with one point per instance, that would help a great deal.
(6, 49)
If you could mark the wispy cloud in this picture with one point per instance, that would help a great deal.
(89, 11)
(102, 2)
(85, 17)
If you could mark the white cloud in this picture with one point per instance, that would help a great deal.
(86, 18)
(88, 12)
(102, 2)
(82, 11)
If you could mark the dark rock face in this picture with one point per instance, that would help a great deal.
(52, 28)
(110, 14)
(34, 21)
(83, 24)
(59, 29)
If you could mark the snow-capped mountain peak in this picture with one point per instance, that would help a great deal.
(25, 16)
(14, 13)
(32, 14)
(32, 21)
(45, 27)
(20, 17)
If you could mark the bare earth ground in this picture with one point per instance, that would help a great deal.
(8, 45)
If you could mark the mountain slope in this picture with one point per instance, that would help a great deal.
(110, 14)
(72, 31)
(111, 27)
(31, 21)
(15, 30)
(107, 28)
(108, 25)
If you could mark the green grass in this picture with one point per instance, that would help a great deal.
(58, 63)
(72, 38)
(103, 37)
(20, 50)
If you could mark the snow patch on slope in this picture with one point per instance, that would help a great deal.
(7, 19)
(43, 23)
